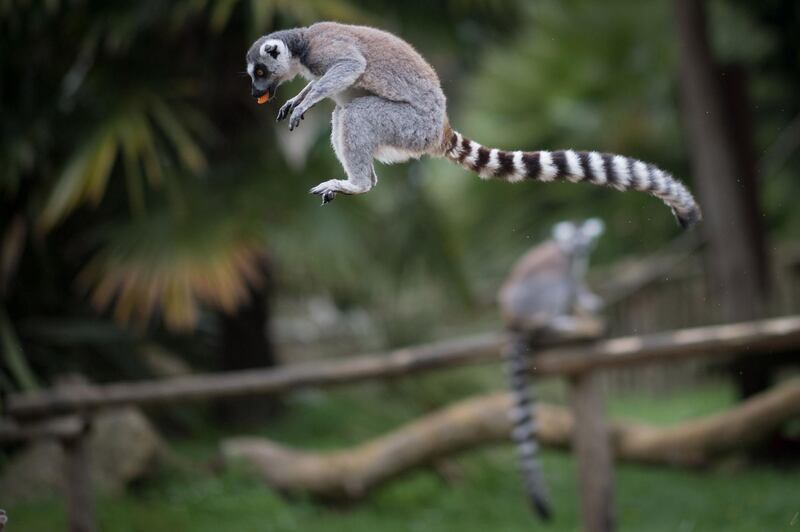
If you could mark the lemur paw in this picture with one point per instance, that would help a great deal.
(287, 108)
(327, 190)
(327, 196)
(299, 113)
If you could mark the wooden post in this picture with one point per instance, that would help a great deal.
(79, 491)
(592, 447)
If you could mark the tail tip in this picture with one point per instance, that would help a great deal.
(688, 218)
(542, 508)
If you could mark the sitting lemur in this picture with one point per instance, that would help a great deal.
(545, 292)
(390, 107)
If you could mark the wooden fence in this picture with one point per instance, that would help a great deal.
(66, 414)
(668, 291)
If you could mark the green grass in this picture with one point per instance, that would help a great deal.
(486, 496)
(660, 410)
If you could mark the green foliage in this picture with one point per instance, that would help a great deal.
(146, 189)
(13, 356)
(149, 186)
(112, 145)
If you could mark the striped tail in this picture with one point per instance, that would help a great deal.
(617, 171)
(523, 429)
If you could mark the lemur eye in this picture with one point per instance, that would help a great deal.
(260, 73)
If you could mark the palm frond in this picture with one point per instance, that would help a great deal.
(172, 266)
(130, 133)
(14, 357)
(83, 179)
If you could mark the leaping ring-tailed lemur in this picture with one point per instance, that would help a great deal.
(390, 107)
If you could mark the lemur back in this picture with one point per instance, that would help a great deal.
(545, 291)
(393, 69)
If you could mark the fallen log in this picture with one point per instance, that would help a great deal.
(351, 473)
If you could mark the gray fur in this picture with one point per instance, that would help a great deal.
(389, 102)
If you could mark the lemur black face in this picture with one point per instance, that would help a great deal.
(269, 63)
(263, 82)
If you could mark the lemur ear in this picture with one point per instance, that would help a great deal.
(593, 227)
(563, 231)
(271, 48)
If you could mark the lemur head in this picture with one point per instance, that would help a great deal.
(269, 63)
(578, 238)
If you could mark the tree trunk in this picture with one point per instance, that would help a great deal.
(716, 113)
(245, 344)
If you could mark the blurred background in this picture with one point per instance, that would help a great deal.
(155, 222)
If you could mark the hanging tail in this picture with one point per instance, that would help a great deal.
(523, 429)
(617, 171)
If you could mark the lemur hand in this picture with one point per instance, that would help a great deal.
(299, 113)
(287, 108)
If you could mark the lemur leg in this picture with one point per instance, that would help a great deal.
(336, 140)
(363, 125)
(354, 153)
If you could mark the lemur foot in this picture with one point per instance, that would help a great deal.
(326, 190)
(329, 189)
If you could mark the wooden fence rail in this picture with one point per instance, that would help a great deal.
(579, 362)
(248, 382)
(713, 341)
